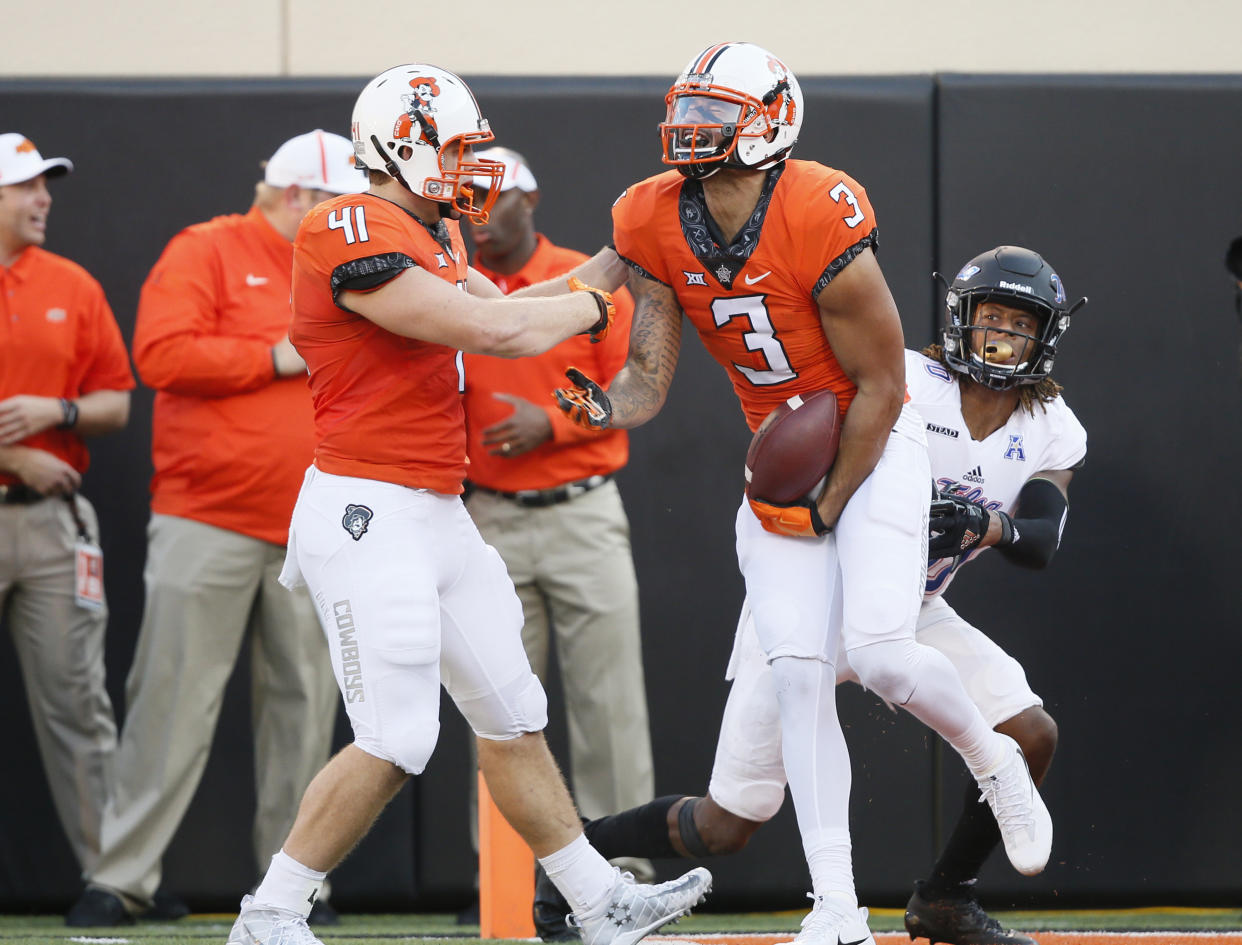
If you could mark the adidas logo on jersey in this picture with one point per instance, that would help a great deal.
(975, 476)
(943, 431)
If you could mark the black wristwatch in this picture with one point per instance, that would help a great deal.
(69, 409)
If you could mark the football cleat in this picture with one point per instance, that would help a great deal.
(631, 911)
(265, 925)
(832, 922)
(1024, 821)
(956, 919)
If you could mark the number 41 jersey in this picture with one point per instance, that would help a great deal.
(753, 301)
(386, 407)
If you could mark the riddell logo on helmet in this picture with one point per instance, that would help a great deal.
(1016, 287)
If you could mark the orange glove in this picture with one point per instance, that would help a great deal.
(585, 403)
(797, 520)
(607, 310)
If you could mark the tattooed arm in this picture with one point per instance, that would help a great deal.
(637, 393)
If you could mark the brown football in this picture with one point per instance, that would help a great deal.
(793, 449)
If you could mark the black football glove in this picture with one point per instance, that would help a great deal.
(585, 403)
(955, 527)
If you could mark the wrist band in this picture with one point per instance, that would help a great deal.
(1007, 529)
(69, 413)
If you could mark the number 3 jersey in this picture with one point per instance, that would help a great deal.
(386, 407)
(992, 471)
(753, 301)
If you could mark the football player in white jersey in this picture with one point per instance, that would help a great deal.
(1003, 446)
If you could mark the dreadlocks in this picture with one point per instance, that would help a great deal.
(1044, 392)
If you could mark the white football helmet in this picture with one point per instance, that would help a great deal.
(734, 104)
(415, 122)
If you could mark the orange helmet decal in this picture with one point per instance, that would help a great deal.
(26, 146)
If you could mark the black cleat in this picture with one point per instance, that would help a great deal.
(322, 913)
(166, 907)
(956, 919)
(97, 908)
(550, 911)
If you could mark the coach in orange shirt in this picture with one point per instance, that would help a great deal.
(232, 435)
(63, 375)
(544, 497)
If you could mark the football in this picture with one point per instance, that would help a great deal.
(793, 449)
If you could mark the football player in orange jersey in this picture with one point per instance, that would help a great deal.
(408, 594)
(773, 262)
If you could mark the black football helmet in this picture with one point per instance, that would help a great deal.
(1009, 275)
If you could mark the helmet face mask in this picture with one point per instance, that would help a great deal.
(419, 123)
(1016, 278)
(734, 105)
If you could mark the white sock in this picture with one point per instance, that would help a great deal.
(289, 885)
(817, 764)
(832, 870)
(583, 876)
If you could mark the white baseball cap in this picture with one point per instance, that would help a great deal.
(20, 160)
(517, 174)
(318, 160)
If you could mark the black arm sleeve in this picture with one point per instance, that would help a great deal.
(1036, 531)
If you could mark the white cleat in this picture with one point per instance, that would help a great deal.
(1024, 821)
(832, 922)
(263, 925)
(631, 911)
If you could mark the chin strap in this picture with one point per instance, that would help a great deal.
(390, 165)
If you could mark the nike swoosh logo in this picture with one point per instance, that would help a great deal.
(252, 279)
(842, 941)
(750, 281)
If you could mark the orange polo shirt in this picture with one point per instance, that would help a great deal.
(229, 440)
(58, 338)
(573, 453)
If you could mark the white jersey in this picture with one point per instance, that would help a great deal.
(993, 471)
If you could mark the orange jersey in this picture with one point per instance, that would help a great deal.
(573, 453)
(58, 338)
(386, 407)
(753, 303)
(230, 441)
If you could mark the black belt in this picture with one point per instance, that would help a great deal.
(540, 498)
(19, 494)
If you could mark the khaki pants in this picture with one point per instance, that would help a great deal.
(206, 588)
(61, 650)
(574, 573)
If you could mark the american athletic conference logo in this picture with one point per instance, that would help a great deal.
(356, 519)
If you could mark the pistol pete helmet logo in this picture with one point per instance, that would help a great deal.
(420, 101)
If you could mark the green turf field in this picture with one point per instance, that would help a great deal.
(441, 929)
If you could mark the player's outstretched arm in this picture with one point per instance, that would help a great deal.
(417, 304)
(638, 391)
(861, 322)
(1031, 535)
(604, 270)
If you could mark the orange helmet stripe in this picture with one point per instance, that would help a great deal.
(701, 65)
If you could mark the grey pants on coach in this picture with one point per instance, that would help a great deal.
(60, 647)
(206, 588)
(574, 572)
